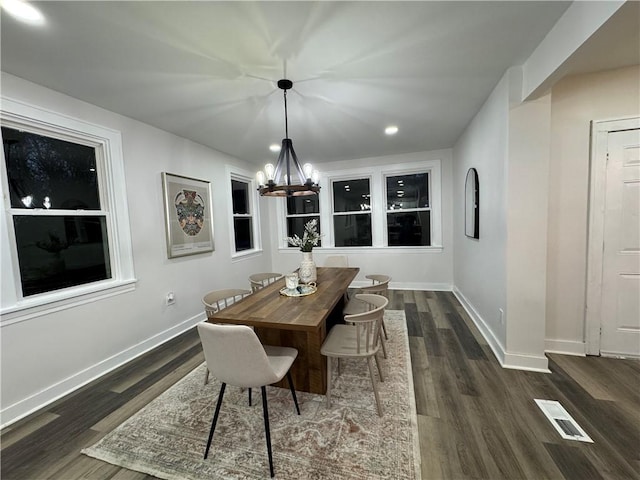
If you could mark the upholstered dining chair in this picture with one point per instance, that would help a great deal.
(235, 356)
(216, 300)
(336, 261)
(379, 286)
(358, 338)
(261, 280)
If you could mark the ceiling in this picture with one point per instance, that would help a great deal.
(207, 71)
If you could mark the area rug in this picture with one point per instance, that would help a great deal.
(167, 438)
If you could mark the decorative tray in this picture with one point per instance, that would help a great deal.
(299, 291)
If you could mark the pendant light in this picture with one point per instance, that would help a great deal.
(287, 178)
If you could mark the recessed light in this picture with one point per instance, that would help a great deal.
(23, 11)
(391, 130)
(274, 147)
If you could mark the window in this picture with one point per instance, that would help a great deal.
(244, 224)
(65, 208)
(242, 218)
(352, 213)
(300, 210)
(60, 227)
(408, 210)
(396, 204)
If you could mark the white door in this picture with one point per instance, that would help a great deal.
(620, 312)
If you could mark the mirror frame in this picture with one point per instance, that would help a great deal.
(472, 204)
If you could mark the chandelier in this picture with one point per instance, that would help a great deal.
(287, 178)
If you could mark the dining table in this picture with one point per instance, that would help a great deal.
(301, 321)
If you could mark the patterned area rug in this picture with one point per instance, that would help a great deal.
(348, 441)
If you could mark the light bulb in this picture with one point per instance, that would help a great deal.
(260, 178)
(315, 177)
(269, 169)
(23, 11)
(307, 168)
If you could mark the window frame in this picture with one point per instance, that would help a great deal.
(243, 176)
(335, 214)
(434, 171)
(408, 210)
(113, 203)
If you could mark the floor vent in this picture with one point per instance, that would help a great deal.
(562, 421)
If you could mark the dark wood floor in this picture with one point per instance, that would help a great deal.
(476, 420)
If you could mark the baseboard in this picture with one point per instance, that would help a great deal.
(565, 347)
(506, 359)
(532, 363)
(440, 287)
(39, 400)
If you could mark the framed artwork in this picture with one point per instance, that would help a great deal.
(188, 215)
(472, 204)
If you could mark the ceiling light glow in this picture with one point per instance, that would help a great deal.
(23, 11)
(274, 147)
(391, 130)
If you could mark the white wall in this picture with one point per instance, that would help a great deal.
(47, 356)
(527, 191)
(500, 277)
(479, 266)
(576, 101)
(417, 269)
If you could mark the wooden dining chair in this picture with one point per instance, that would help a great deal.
(216, 300)
(379, 286)
(336, 261)
(235, 356)
(261, 280)
(358, 338)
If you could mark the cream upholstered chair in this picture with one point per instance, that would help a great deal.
(235, 356)
(358, 338)
(261, 280)
(217, 300)
(336, 261)
(379, 286)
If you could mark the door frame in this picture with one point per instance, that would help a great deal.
(600, 130)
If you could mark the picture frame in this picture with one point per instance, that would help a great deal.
(472, 204)
(188, 215)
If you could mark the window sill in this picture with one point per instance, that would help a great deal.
(368, 250)
(246, 254)
(61, 300)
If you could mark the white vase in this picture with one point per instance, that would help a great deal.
(307, 272)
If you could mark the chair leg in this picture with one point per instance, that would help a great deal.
(379, 368)
(215, 419)
(293, 391)
(383, 344)
(375, 390)
(328, 394)
(249, 396)
(265, 412)
(384, 328)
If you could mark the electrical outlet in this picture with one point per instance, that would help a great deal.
(170, 298)
(501, 319)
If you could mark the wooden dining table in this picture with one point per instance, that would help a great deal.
(300, 322)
